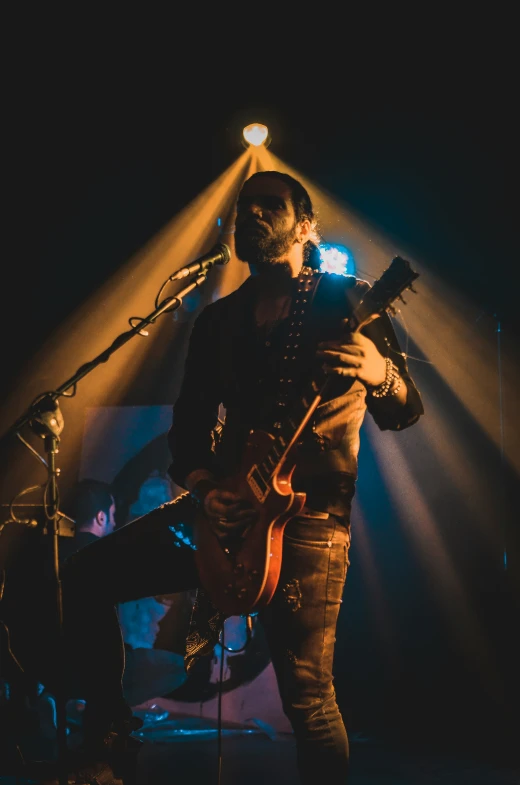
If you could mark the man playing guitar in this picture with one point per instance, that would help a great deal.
(255, 351)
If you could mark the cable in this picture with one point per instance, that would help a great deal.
(31, 522)
(34, 452)
(219, 711)
(224, 648)
(8, 646)
(249, 631)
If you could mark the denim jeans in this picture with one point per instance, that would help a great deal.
(300, 625)
(145, 558)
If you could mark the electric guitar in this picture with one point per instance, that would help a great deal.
(240, 575)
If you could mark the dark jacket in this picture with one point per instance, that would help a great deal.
(69, 545)
(230, 363)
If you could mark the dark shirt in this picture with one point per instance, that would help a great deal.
(69, 545)
(230, 362)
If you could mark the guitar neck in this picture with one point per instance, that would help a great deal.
(290, 430)
(396, 278)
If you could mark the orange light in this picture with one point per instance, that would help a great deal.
(255, 134)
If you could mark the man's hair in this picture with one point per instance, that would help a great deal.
(87, 498)
(300, 198)
(303, 209)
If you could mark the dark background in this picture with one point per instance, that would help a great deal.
(111, 134)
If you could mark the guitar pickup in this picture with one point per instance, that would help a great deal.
(255, 482)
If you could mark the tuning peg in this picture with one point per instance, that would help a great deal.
(412, 289)
(392, 310)
(402, 299)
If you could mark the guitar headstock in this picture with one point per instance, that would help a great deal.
(398, 277)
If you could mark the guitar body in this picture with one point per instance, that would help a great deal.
(241, 577)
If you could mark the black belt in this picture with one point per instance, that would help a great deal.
(308, 512)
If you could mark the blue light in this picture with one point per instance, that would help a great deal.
(336, 259)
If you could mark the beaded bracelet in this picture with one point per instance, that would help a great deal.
(391, 384)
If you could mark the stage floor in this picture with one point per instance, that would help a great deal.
(253, 758)
(185, 751)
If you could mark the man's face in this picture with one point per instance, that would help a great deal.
(110, 521)
(265, 227)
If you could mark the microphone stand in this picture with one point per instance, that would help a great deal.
(46, 420)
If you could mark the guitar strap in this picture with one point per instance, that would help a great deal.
(295, 340)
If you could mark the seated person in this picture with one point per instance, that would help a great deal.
(92, 506)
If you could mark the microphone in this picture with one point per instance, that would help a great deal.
(220, 254)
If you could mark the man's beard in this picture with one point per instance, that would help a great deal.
(262, 250)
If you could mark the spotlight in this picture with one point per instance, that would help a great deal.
(256, 134)
(336, 259)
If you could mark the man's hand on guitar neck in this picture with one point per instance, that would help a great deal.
(355, 355)
(358, 357)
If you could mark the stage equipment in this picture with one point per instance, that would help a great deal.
(45, 419)
(335, 259)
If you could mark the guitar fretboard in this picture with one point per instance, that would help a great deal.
(289, 429)
(395, 279)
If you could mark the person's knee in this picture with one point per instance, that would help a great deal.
(302, 709)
